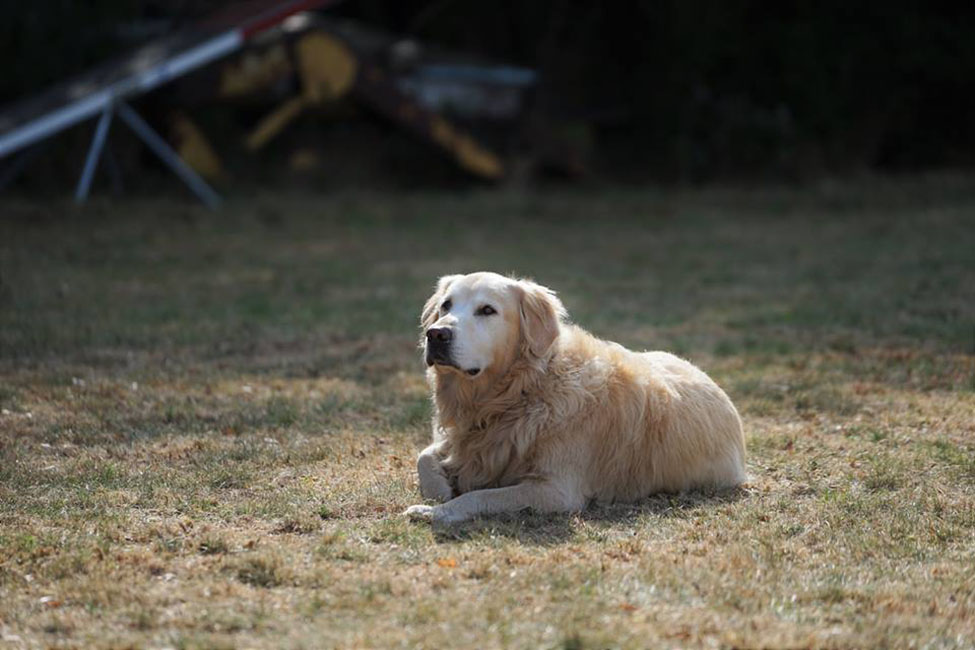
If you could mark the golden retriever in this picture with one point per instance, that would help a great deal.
(533, 412)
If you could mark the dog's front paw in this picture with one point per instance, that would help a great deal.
(436, 488)
(420, 513)
(434, 514)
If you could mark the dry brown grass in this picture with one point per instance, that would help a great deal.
(209, 423)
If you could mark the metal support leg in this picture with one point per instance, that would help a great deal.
(168, 156)
(94, 153)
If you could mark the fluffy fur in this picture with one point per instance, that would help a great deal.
(555, 417)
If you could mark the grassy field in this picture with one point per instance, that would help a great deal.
(209, 421)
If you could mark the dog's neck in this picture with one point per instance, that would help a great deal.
(484, 443)
(467, 406)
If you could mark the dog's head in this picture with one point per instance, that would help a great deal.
(483, 321)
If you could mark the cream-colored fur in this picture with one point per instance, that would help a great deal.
(554, 417)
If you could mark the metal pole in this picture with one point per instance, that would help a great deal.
(94, 153)
(141, 82)
(168, 156)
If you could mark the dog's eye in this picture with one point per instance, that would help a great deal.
(486, 310)
(446, 305)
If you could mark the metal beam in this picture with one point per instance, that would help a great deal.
(159, 146)
(141, 81)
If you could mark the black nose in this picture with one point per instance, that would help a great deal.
(439, 334)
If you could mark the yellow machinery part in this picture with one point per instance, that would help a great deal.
(273, 123)
(195, 150)
(477, 160)
(327, 67)
(254, 72)
(327, 70)
(466, 151)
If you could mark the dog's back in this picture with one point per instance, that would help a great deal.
(655, 422)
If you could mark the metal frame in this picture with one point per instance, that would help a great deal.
(94, 153)
(152, 140)
(158, 145)
(109, 100)
(141, 82)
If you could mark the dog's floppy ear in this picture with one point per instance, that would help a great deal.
(541, 312)
(428, 315)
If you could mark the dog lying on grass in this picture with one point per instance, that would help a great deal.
(533, 412)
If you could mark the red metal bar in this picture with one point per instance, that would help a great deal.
(254, 16)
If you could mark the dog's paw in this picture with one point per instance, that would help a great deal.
(420, 513)
(436, 489)
(434, 514)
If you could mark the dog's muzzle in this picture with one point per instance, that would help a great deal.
(438, 346)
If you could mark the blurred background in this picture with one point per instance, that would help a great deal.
(564, 91)
(727, 174)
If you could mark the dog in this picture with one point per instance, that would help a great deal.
(531, 411)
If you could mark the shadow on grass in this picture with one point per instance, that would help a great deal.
(663, 505)
(544, 529)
